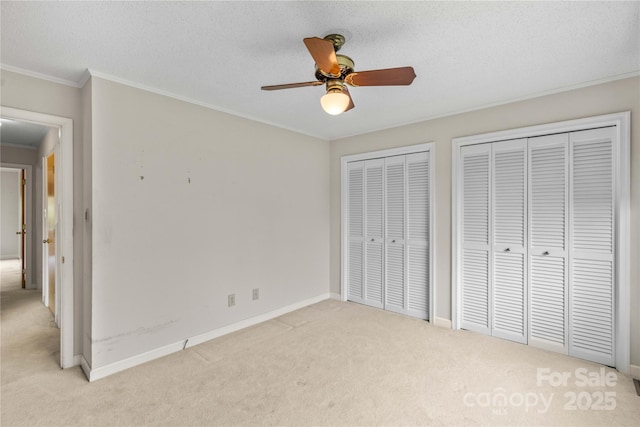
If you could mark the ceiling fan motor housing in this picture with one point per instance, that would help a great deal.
(346, 67)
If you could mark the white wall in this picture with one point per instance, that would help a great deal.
(10, 214)
(613, 97)
(190, 205)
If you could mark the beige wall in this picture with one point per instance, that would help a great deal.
(17, 155)
(617, 96)
(31, 94)
(190, 205)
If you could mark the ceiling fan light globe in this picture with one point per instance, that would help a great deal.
(334, 103)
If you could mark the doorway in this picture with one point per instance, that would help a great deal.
(18, 266)
(13, 225)
(62, 255)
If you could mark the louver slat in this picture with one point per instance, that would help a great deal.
(475, 292)
(508, 283)
(476, 198)
(356, 194)
(592, 197)
(509, 198)
(355, 270)
(548, 299)
(548, 198)
(395, 277)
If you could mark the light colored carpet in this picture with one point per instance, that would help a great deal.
(10, 274)
(332, 363)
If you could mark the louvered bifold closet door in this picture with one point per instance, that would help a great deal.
(509, 163)
(475, 193)
(395, 292)
(418, 233)
(355, 215)
(591, 307)
(374, 234)
(548, 230)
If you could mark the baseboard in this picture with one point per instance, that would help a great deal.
(335, 296)
(207, 336)
(441, 322)
(77, 360)
(121, 365)
(634, 371)
(112, 368)
(86, 368)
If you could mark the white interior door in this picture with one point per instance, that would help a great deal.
(592, 290)
(395, 266)
(509, 190)
(418, 235)
(476, 231)
(389, 230)
(374, 236)
(355, 238)
(548, 230)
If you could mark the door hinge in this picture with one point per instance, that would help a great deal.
(63, 259)
(24, 181)
(24, 271)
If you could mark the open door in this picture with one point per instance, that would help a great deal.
(23, 227)
(50, 224)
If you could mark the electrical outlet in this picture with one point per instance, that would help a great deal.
(232, 300)
(256, 293)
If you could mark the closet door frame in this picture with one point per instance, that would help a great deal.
(622, 179)
(344, 222)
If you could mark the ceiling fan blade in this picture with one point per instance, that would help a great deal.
(324, 54)
(351, 105)
(387, 77)
(292, 85)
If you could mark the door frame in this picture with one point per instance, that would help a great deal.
(344, 229)
(65, 178)
(622, 174)
(28, 172)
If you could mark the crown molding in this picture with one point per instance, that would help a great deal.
(40, 76)
(505, 102)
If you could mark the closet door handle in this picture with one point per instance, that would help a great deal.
(507, 250)
(393, 241)
(373, 240)
(545, 253)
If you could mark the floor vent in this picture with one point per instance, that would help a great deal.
(637, 384)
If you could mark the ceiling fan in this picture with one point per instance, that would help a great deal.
(336, 71)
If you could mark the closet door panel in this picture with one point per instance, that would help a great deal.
(548, 230)
(476, 213)
(592, 290)
(374, 236)
(395, 176)
(418, 232)
(509, 164)
(355, 215)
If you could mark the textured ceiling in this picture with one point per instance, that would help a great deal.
(466, 54)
